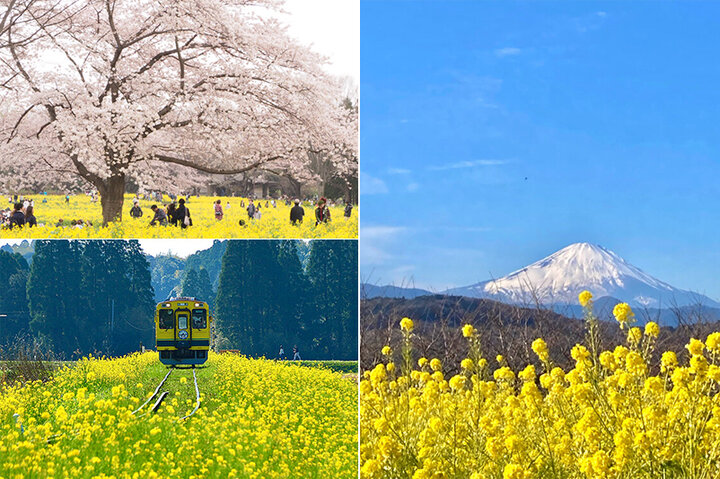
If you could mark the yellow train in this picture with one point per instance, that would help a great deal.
(182, 331)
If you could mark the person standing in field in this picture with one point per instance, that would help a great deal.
(322, 212)
(296, 354)
(171, 208)
(136, 211)
(348, 210)
(251, 209)
(182, 214)
(218, 210)
(296, 213)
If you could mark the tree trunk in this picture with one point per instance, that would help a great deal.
(295, 187)
(112, 193)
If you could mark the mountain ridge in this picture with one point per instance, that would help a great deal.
(556, 280)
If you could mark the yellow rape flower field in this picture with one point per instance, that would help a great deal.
(274, 223)
(615, 414)
(259, 419)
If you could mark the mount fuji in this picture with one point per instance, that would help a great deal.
(560, 277)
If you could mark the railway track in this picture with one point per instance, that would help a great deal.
(160, 396)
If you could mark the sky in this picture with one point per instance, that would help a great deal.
(495, 133)
(332, 27)
(177, 247)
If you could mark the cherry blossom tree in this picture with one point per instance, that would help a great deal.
(155, 90)
(338, 158)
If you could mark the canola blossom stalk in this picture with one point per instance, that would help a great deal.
(610, 416)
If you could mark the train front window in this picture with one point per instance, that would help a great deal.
(199, 318)
(166, 318)
(182, 321)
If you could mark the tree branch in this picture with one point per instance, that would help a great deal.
(215, 171)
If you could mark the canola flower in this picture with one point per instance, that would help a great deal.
(612, 415)
(585, 298)
(259, 419)
(406, 324)
(624, 315)
(274, 223)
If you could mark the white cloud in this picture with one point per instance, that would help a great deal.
(507, 52)
(376, 243)
(380, 232)
(467, 164)
(413, 187)
(401, 272)
(369, 185)
(398, 171)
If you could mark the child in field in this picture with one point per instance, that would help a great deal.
(218, 210)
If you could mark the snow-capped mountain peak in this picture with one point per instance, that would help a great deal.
(560, 277)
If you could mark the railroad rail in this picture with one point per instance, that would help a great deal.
(160, 396)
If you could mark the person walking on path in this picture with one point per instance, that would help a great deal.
(218, 210)
(296, 213)
(322, 212)
(296, 354)
(30, 219)
(251, 209)
(160, 216)
(281, 354)
(136, 211)
(17, 218)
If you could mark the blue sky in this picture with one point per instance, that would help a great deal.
(495, 133)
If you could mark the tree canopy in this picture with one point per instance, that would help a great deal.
(105, 91)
